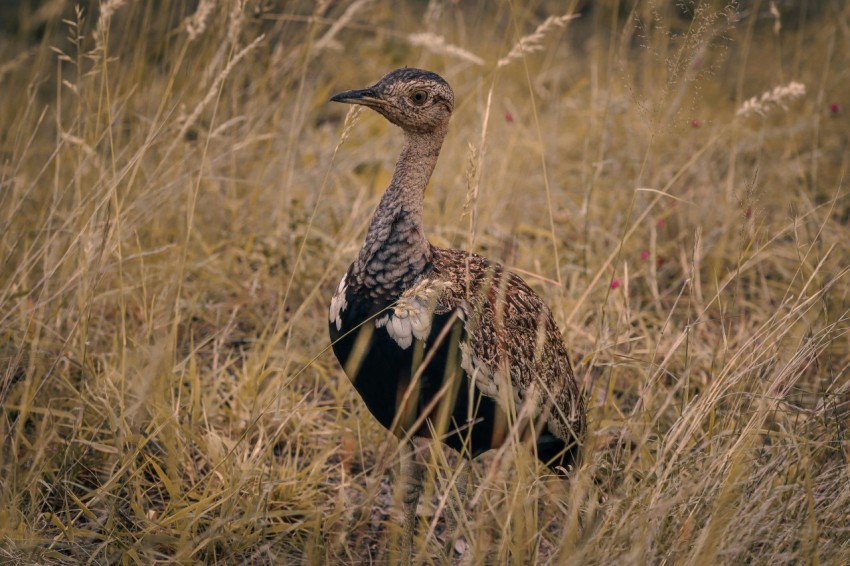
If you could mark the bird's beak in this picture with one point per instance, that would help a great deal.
(366, 97)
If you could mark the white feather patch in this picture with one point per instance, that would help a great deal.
(400, 331)
(338, 304)
(412, 314)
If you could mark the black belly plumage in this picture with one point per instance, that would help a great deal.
(445, 404)
(382, 371)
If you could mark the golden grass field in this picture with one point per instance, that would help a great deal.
(178, 200)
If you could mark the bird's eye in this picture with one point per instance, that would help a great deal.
(419, 97)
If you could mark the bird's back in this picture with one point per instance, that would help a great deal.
(512, 342)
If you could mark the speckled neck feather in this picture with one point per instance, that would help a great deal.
(396, 250)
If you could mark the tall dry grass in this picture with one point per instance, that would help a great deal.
(178, 201)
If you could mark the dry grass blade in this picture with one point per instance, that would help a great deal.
(437, 44)
(329, 36)
(778, 96)
(196, 24)
(215, 88)
(534, 41)
(107, 9)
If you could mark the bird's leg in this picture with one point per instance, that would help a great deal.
(413, 475)
(457, 499)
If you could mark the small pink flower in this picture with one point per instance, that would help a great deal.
(615, 283)
(661, 223)
(509, 117)
(697, 63)
(834, 108)
(644, 255)
(695, 123)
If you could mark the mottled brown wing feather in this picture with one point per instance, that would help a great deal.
(511, 331)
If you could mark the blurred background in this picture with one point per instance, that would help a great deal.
(178, 200)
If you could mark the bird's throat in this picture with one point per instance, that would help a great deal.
(396, 249)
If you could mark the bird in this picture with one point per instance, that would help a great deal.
(443, 343)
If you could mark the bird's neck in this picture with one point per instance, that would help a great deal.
(396, 249)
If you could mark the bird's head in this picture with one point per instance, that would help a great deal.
(413, 99)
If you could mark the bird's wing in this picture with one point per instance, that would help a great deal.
(512, 347)
(412, 314)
